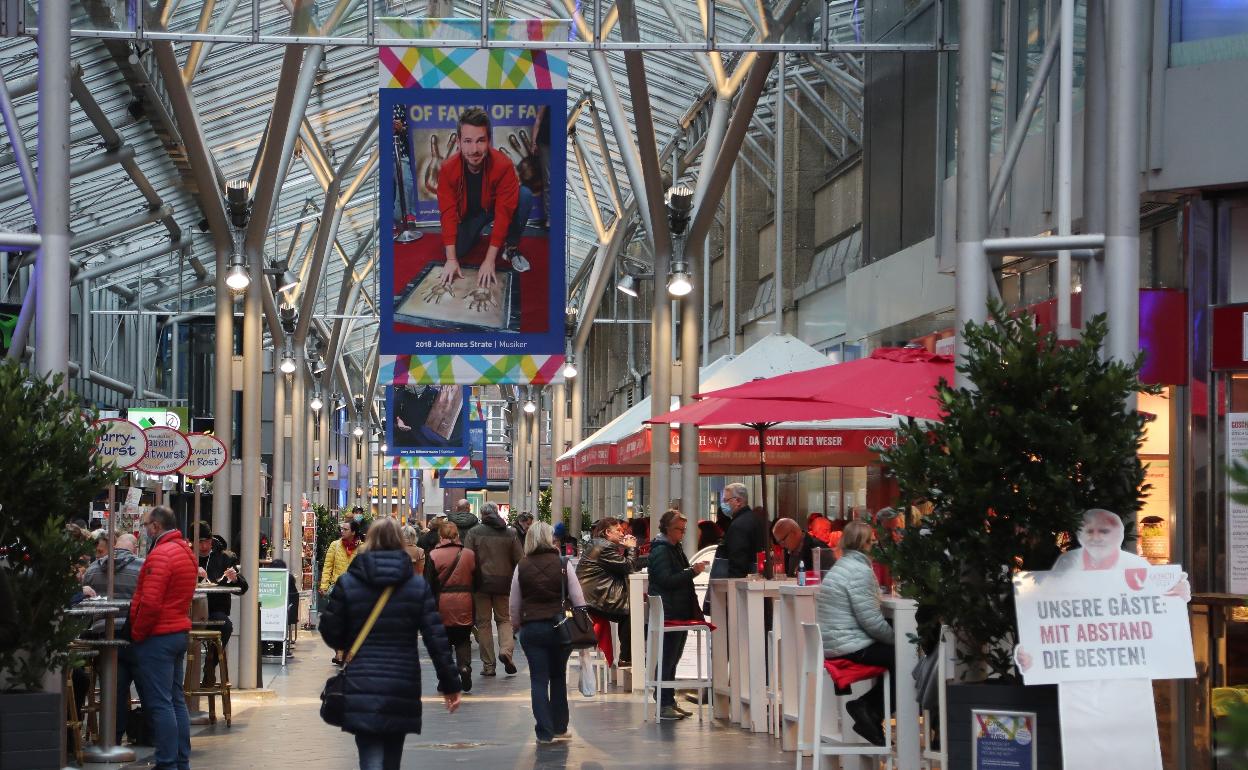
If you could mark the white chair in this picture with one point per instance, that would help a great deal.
(811, 675)
(774, 717)
(655, 629)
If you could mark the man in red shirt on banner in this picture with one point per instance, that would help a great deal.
(477, 186)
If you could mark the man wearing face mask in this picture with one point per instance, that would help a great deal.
(736, 557)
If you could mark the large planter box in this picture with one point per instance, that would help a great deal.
(32, 727)
(961, 699)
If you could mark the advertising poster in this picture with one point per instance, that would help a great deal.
(474, 476)
(272, 593)
(1003, 740)
(8, 323)
(427, 420)
(1080, 626)
(1236, 513)
(473, 197)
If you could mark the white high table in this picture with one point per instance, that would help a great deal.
(797, 606)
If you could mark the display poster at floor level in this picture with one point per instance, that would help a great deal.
(1102, 624)
(1236, 512)
(472, 206)
(427, 420)
(273, 594)
(1003, 740)
(475, 476)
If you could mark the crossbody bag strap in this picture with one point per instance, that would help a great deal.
(368, 624)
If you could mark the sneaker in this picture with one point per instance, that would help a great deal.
(518, 261)
(671, 712)
(508, 664)
(465, 680)
(545, 741)
(682, 711)
(488, 673)
(870, 730)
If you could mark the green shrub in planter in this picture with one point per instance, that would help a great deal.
(1043, 436)
(49, 477)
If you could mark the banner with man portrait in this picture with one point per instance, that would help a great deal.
(427, 420)
(473, 168)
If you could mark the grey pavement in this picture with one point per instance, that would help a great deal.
(493, 728)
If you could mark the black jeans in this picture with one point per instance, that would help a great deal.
(380, 751)
(673, 648)
(471, 227)
(548, 677)
(878, 654)
(460, 638)
(227, 630)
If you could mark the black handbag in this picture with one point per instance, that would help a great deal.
(573, 627)
(334, 694)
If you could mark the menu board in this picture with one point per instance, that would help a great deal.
(1236, 513)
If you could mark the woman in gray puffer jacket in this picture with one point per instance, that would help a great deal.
(854, 628)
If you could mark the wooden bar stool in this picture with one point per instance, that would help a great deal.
(210, 638)
(73, 720)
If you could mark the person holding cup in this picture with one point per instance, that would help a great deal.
(671, 579)
(603, 573)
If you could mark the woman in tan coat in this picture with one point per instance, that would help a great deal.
(450, 571)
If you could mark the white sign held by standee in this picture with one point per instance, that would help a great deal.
(167, 451)
(208, 455)
(1105, 624)
(122, 444)
(1236, 513)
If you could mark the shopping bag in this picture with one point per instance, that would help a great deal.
(589, 687)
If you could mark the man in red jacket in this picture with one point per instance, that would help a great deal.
(159, 621)
(476, 186)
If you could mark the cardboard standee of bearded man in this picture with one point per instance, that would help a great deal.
(1105, 722)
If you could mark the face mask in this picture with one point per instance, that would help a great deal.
(725, 508)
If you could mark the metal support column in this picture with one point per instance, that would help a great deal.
(1095, 149)
(52, 310)
(732, 263)
(1065, 161)
(974, 70)
(298, 461)
(1125, 71)
(253, 378)
(278, 499)
(575, 434)
(778, 226)
(325, 452)
(558, 415)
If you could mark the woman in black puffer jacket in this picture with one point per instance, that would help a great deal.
(383, 700)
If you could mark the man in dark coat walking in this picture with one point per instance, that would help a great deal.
(743, 539)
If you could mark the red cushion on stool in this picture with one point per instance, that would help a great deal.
(688, 623)
(845, 672)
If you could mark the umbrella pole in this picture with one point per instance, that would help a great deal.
(762, 472)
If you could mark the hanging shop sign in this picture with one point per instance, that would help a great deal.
(1078, 625)
(176, 417)
(1236, 512)
(208, 456)
(729, 446)
(122, 445)
(427, 420)
(167, 452)
(473, 289)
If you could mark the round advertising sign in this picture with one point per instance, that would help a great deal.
(122, 445)
(167, 451)
(208, 455)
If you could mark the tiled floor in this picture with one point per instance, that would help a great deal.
(492, 729)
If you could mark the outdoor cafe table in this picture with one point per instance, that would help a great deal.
(199, 615)
(105, 751)
(747, 654)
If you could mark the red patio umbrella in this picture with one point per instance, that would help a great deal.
(899, 381)
(761, 414)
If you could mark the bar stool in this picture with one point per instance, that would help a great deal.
(89, 715)
(774, 717)
(73, 720)
(656, 628)
(813, 667)
(210, 638)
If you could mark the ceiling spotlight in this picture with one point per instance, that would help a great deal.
(288, 364)
(287, 281)
(237, 279)
(358, 432)
(529, 406)
(627, 284)
(384, 448)
(569, 368)
(679, 282)
(316, 403)
(679, 200)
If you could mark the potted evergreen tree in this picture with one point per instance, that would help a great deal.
(49, 478)
(1043, 435)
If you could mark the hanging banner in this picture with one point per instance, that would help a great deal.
(122, 445)
(427, 420)
(472, 204)
(8, 323)
(1079, 625)
(167, 452)
(208, 456)
(273, 593)
(475, 476)
(176, 417)
(427, 463)
(1236, 512)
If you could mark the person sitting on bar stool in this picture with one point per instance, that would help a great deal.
(853, 626)
(220, 566)
(798, 546)
(126, 569)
